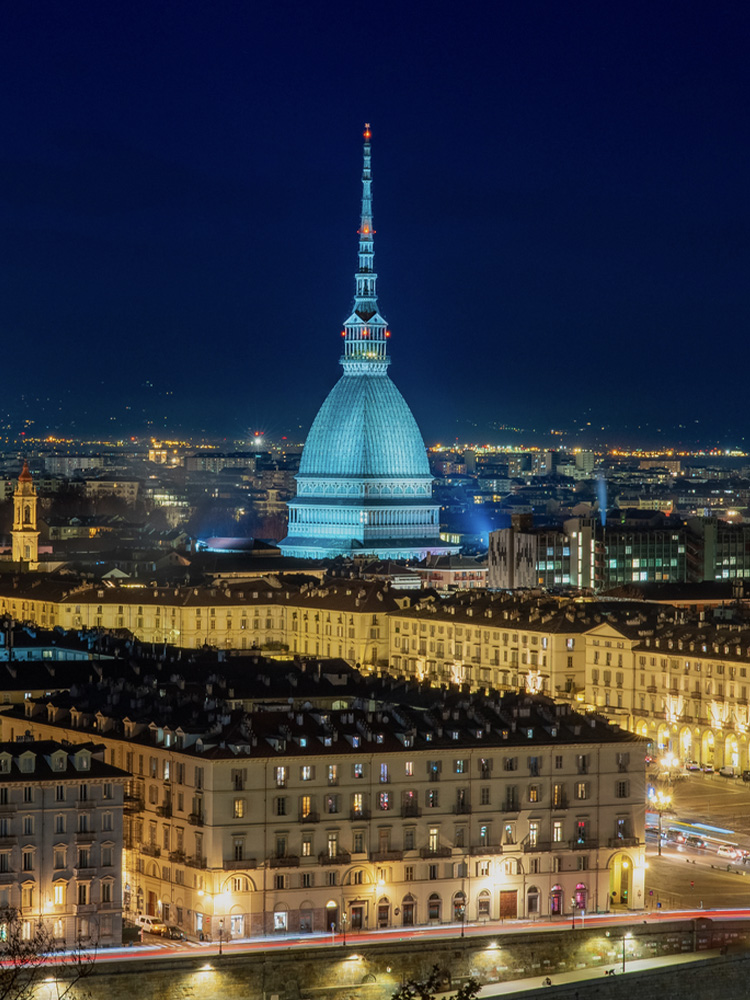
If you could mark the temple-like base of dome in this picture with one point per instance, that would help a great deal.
(415, 549)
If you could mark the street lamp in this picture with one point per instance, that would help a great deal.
(343, 929)
(221, 933)
(624, 939)
(662, 800)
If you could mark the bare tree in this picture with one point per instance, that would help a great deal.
(30, 956)
(426, 989)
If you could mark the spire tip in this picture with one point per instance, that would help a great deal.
(367, 133)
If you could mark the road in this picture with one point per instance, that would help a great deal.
(684, 877)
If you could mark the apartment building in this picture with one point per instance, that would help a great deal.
(61, 840)
(376, 814)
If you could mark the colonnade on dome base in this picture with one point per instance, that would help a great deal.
(706, 745)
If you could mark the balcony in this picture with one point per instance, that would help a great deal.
(357, 815)
(8, 810)
(8, 878)
(342, 858)
(196, 861)
(482, 850)
(177, 857)
(284, 861)
(195, 819)
(651, 688)
(85, 837)
(309, 817)
(376, 856)
(435, 852)
(510, 807)
(539, 847)
(165, 810)
(243, 864)
(410, 811)
(85, 804)
(6, 842)
(589, 844)
(133, 804)
(462, 809)
(151, 849)
(561, 804)
(623, 842)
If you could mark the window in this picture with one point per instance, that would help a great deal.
(358, 770)
(279, 881)
(333, 844)
(281, 776)
(281, 806)
(433, 839)
(558, 762)
(28, 793)
(238, 808)
(484, 795)
(28, 825)
(59, 823)
(408, 873)
(59, 793)
(305, 807)
(332, 803)
(409, 838)
(483, 869)
(59, 894)
(622, 789)
(432, 798)
(333, 774)
(582, 790)
(331, 878)
(59, 857)
(557, 831)
(107, 821)
(358, 842)
(459, 766)
(306, 772)
(307, 847)
(358, 803)
(409, 768)
(28, 861)
(384, 800)
(533, 793)
(432, 872)
(307, 880)
(107, 856)
(533, 833)
(384, 776)
(106, 892)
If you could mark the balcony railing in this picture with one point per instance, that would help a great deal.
(309, 817)
(284, 861)
(376, 856)
(623, 842)
(480, 850)
(177, 857)
(435, 852)
(195, 819)
(540, 846)
(589, 844)
(243, 864)
(342, 858)
(359, 814)
(151, 849)
(133, 804)
(196, 861)
(410, 811)
(462, 809)
(165, 810)
(560, 804)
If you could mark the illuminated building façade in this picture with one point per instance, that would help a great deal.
(364, 482)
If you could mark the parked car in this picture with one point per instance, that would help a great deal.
(150, 924)
(708, 768)
(728, 771)
(175, 933)
(746, 775)
(692, 765)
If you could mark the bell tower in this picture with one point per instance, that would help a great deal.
(24, 534)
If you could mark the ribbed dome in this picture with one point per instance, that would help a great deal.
(364, 428)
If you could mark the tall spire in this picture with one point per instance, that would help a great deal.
(365, 332)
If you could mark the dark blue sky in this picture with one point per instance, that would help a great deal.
(560, 202)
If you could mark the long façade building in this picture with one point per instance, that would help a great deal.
(364, 482)
(385, 807)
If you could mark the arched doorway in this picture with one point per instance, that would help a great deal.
(663, 738)
(731, 751)
(384, 912)
(484, 905)
(556, 901)
(434, 907)
(620, 880)
(459, 907)
(532, 901)
(581, 896)
(686, 744)
(707, 748)
(408, 911)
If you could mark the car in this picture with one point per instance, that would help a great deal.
(676, 835)
(727, 851)
(692, 765)
(694, 841)
(727, 771)
(175, 933)
(746, 775)
(152, 925)
(652, 831)
(708, 769)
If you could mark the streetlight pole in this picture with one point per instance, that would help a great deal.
(663, 801)
(221, 934)
(624, 939)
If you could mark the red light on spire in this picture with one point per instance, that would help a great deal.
(387, 333)
(367, 133)
(343, 333)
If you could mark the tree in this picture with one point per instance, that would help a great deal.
(426, 989)
(29, 955)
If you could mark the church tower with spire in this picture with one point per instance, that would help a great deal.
(24, 535)
(364, 484)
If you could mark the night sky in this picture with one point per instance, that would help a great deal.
(560, 199)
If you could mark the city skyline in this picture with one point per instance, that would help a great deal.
(561, 213)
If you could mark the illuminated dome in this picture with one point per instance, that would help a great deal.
(364, 428)
(364, 483)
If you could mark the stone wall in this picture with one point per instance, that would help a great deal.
(374, 971)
